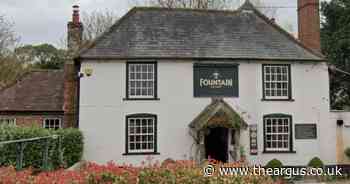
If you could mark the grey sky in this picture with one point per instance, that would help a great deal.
(44, 21)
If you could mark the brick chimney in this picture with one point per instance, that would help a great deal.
(309, 24)
(75, 30)
(71, 80)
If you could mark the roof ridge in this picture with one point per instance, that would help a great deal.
(184, 9)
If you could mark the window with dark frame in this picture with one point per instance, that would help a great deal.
(52, 123)
(278, 133)
(141, 80)
(141, 133)
(276, 82)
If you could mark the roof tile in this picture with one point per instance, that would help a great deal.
(36, 91)
(188, 33)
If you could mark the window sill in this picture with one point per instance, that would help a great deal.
(276, 100)
(141, 99)
(142, 153)
(274, 152)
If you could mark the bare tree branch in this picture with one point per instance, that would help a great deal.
(8, 38)
(96, 23)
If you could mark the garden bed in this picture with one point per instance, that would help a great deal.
(184, 172)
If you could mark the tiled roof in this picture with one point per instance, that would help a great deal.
(188, 33)
(36, 91)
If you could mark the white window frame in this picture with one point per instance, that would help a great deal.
(141, 134)
(276, 79)
(269, 123)
(143, 78)
(52, 128)
(8, 119)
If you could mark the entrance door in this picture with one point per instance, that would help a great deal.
(216, 144)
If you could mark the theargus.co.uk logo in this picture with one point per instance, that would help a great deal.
(212, 169)
(209, 170)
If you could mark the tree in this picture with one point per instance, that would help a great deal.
(335, 43)
(268, 11)
(8, 38)
(96, 23)
(206, 4)
(43, 56)
(196, 4)
(10, 67)
(10, 70)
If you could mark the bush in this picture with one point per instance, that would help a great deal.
(315, 163)
(347, 152)
(184, 172)
(72, 145)
(70, 142)
(274, 164)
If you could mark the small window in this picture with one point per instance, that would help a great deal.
(276, 81)
(278, 133)
(52, 123)
(7, 122)
(141, 133)
(141, 80)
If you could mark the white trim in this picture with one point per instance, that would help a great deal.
(277, 133)
(54, 118)
(13, 123)
(141, 80)
(274, 82)
(140, 134)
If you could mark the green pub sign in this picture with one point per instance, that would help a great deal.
(215, 80)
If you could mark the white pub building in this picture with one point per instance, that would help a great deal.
(193, 84)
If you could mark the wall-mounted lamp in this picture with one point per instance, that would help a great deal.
(88, 72)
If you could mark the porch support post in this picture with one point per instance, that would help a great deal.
(237, 145)
(201, 146)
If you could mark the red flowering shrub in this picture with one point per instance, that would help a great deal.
(184, 172)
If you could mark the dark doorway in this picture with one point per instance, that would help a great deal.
(216, 143)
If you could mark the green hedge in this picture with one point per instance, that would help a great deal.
(274, 163)
(347, 152)
(316, 163)
(63, 152)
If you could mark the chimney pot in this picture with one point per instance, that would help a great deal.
(76, 16)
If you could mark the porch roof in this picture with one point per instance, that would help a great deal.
(218, 107)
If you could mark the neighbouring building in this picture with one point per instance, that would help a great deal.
(45, 98)
(193, 84)
(35, 99)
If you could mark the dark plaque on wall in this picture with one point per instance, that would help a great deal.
(253, 134)
(305, 131)
(215, 80)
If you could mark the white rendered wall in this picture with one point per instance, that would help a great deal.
(103, 111)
